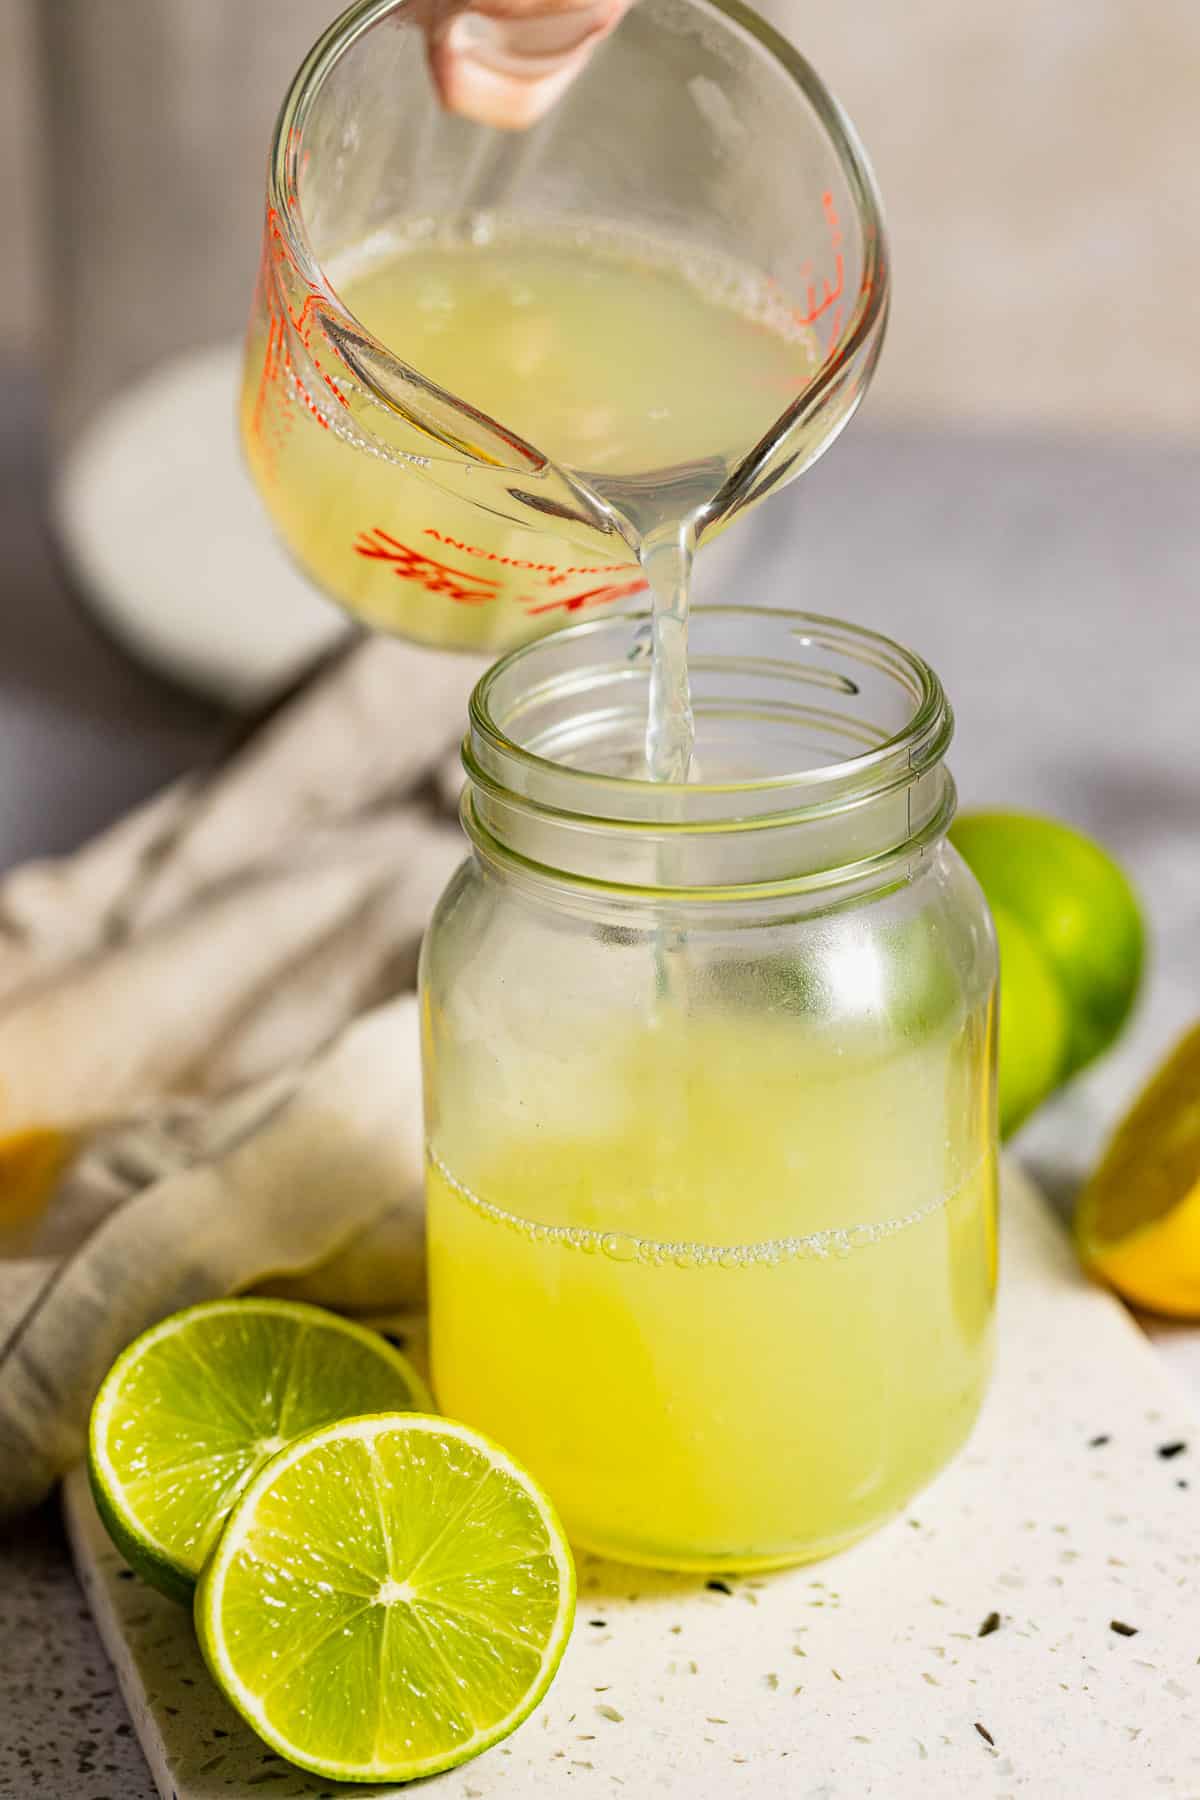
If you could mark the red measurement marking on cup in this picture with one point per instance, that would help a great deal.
(468, 588)
(832, 290)
(555, 572)
(413, 565)
(599, 596)
(285, 326)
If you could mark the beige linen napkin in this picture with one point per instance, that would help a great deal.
(209, 1071)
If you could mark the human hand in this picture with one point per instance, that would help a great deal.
(505, 62)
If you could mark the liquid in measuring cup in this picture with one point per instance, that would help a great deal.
(762, 1391)
(646, 371)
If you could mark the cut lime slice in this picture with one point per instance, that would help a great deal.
(190, 1412)
(390, 1596)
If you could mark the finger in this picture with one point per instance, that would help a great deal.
(506, 62)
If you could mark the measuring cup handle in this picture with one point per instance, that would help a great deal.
(505, 62)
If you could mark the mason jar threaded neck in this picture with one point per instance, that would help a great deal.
(819, 758)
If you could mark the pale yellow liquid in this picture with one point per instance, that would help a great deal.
(646, 376)
(732, 1306)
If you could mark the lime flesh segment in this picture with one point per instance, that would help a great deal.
(198, 1404)
(390, 1596)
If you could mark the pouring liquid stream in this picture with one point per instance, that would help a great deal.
(670, 723)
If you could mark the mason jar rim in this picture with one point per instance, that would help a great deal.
(494, 758)
(581, 692)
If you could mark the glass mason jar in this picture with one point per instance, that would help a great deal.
(710, 1089)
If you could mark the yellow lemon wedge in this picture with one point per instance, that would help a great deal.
(1137, 1223)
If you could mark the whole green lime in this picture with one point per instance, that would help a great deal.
(1035, 1027)
(1068, 922)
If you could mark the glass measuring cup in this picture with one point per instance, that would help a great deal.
(696, 126)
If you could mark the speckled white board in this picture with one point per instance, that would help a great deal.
(866, 1675)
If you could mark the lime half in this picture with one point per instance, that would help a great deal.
(190, 1412)
(390, 1596)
